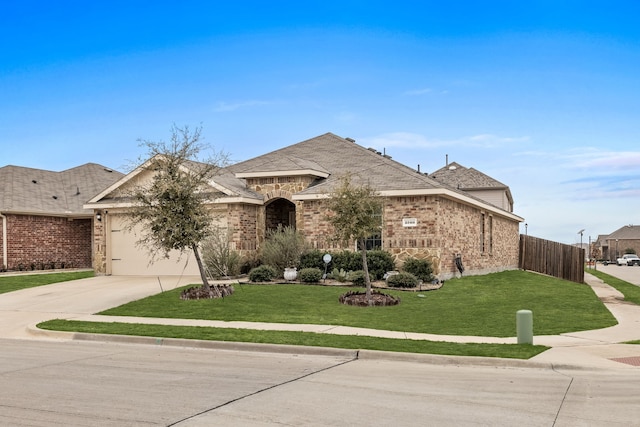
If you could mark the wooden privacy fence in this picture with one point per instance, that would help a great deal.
(551, 258)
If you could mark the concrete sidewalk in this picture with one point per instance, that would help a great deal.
(78, 300)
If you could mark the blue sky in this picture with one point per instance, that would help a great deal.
(542, 95)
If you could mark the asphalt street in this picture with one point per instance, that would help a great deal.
(108, 384)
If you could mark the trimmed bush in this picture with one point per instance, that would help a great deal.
(313, 259)
(379, 262)
(402, 280)
(346, 260)
(420, 268)
(356, 277)
(264, 273)
(310, 275)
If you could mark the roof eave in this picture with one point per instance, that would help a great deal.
(297, 172)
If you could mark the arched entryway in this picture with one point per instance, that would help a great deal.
(280, 212)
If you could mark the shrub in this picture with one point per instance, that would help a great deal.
(313, 259)
(218, 257)
(310, 275)
(346, 260)
(420, 268)
(379, 262)
(402, 280)
(340, 275)
(283, 248)
(249, 262)
(264, 273)
(356, 277)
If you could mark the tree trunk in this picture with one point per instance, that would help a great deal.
(203, 273)
(365, 267)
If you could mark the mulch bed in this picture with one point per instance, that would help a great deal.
(214, 291)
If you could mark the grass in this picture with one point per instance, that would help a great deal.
(474, 305)
(630, 291)
(18, 282)
(513, 351)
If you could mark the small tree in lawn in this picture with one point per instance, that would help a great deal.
(354, 214)
(171, 206)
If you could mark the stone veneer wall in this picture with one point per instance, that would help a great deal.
(36, 240)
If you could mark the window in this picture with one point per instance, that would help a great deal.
(374, 241)
(490, 234)
(482, 232)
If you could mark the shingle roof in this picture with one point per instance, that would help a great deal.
(37, 191)
(338, 156)
(464, 178)
(627, 232)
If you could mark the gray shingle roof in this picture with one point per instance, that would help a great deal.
(464, 178)
(338, 156)
(627, 232)
(37, 191)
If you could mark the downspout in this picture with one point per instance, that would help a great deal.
(4, 241)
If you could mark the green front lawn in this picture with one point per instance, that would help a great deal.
(513, 351)
(474, 305)
(18, 282)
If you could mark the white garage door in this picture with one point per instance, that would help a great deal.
(127, 259)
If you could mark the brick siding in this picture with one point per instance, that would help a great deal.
(34, 241)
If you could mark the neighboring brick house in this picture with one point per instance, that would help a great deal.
(616, 244)
(421, 216)
(42, 220)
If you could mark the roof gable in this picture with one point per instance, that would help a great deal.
(225, 184)
(464, 178)
(334, 157)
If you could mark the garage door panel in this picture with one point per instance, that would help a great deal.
(128, 259)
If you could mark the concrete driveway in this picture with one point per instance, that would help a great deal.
(69, 300)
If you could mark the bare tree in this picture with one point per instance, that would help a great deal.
(355, 215)
(171, 207)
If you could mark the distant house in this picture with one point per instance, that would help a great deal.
(621, 241)
(42, 219)
(421, 217)
(475, 183)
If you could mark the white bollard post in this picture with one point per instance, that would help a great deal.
(524, 326)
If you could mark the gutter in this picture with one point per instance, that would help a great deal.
(4, 241)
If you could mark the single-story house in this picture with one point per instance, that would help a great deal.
(42, 219)
(421, 217)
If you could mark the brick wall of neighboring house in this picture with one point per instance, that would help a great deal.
(36, 240)
(629, 244)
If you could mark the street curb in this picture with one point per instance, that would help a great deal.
(433, 359)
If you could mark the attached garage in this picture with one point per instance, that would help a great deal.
(125, 258)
